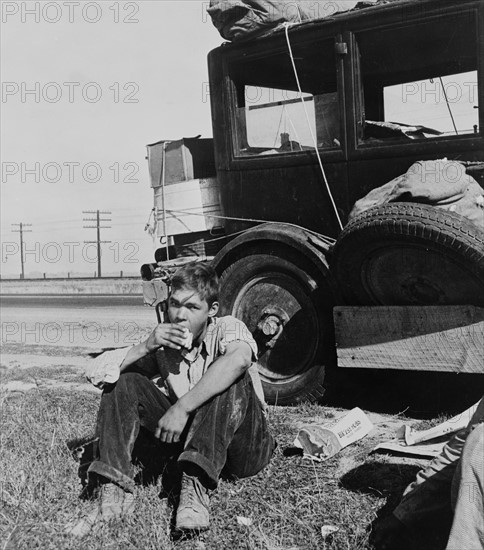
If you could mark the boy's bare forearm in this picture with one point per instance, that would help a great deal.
(221, 374)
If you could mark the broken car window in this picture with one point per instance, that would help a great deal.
(270, 110)
(419, 81)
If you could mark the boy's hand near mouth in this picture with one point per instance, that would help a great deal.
(169, 335)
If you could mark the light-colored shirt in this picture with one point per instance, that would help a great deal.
(175, 372)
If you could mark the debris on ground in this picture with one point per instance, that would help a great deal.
(328, 530)
(428, 443)
(322, 442)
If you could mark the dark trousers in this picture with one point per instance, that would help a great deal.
(227, 434)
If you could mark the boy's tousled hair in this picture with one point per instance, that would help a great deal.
(200, 277)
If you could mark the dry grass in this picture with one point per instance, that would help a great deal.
(40, 375)
(287, 503)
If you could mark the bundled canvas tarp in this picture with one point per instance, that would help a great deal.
(441, 183)
(238, 19)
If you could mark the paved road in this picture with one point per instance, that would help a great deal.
(70, 300)
(76, 321)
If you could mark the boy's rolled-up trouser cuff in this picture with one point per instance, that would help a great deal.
(115, 476)
(202, 462)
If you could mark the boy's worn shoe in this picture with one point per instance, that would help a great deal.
(192, 513)
(113, 503)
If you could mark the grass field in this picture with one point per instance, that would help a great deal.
(284, 507)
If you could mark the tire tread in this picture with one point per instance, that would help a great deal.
(421, 223)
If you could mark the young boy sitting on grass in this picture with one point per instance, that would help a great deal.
(206, 407)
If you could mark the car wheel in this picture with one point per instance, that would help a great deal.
(286, 304)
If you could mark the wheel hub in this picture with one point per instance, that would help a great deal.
(271, 325)
(421, 291)
(278, 310)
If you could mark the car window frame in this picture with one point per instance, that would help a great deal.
(429, 146)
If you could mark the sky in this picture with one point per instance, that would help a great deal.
(85, 87)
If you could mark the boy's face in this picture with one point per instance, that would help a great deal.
(186, 308)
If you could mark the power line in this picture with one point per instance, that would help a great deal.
(53, 223)
(22, 230)
(98, 228)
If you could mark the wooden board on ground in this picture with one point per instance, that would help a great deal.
(431, 338)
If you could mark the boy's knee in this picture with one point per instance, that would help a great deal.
(129, 380)
(131, 376)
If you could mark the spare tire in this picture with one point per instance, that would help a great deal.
(410, 254)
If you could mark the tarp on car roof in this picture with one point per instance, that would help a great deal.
(238, 19)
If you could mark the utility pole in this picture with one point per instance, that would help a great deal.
(98, 228)
(22, 230)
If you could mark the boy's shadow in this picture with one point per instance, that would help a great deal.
(84, 451)
(390, 481)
